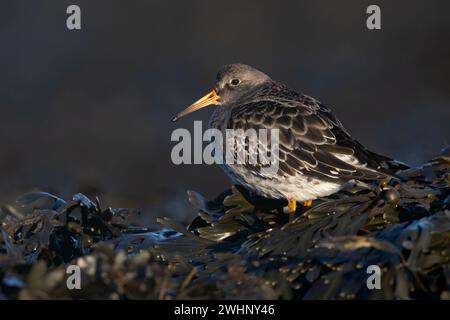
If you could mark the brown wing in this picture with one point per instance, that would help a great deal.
(312, 141)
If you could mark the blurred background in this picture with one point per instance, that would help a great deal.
(89, 111)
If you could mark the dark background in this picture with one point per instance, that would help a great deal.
(90, 110)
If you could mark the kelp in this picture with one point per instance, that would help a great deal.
(239, 246)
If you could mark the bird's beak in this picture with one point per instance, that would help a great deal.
(206, 100)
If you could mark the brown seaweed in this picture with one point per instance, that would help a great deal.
(239, 246)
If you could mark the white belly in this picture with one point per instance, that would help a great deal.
(299, 187)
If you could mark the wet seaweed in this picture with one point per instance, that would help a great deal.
(239, 246)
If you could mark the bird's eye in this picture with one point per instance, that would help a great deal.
(235, 82)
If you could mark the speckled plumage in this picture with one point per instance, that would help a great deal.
(317, 156)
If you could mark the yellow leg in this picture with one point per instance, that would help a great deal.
(307, 203)
(292, 205)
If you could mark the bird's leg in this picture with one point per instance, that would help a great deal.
(307, 203)
(292, 207)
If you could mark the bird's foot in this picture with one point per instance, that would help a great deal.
(292, 207)
(307, 203)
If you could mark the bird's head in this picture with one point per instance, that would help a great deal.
(232, 82)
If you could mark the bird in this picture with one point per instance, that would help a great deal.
(316, 157)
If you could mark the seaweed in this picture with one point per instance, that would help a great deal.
(239, 246)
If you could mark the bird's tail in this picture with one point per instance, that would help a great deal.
(388, 165)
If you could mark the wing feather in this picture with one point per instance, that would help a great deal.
(312, 140)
